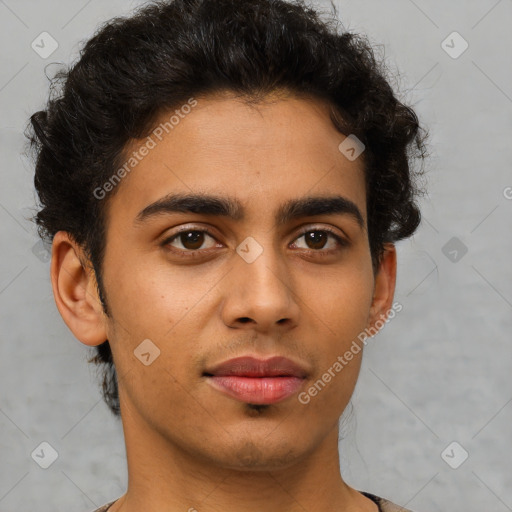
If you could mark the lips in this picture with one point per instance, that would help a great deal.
(257, 381)
(252, 367)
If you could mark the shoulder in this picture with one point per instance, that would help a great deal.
(384, 504)
(105, 507)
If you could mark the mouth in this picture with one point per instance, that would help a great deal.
(257, 381)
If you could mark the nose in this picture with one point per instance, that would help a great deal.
(259, 295)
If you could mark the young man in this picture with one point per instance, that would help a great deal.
(223, 183)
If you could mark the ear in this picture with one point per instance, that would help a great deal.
(75, 291)
(384, 289)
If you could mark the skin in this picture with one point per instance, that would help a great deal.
(189, 446)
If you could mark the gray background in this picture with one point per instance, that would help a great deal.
(437, 373)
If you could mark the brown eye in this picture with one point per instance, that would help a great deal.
(189, 240)
(192, 239)
(316, 239)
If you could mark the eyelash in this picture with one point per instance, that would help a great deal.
(343, 243)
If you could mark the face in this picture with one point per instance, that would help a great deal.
(200, 287)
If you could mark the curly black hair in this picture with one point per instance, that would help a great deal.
(134, 68)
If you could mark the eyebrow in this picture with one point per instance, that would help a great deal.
(222, 206)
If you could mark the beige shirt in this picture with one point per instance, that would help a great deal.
(383, 504)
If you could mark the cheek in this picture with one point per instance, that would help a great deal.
(339, 301)
(169, 307)
(337, 324)
(149, 297)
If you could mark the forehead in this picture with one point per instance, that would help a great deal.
(270, 151)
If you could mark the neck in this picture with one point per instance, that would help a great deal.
(165, 476)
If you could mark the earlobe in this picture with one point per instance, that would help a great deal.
(75, 291)
(384, 290)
